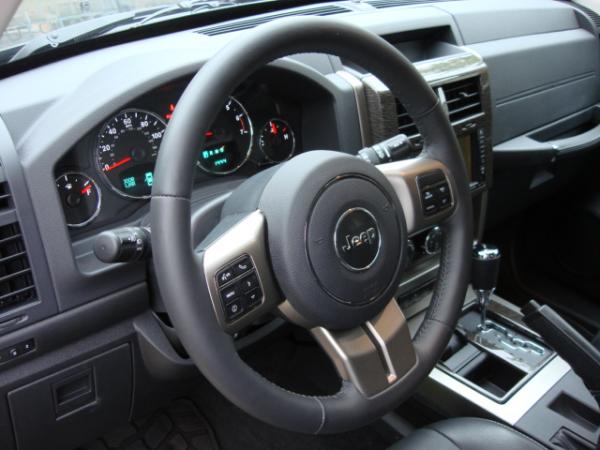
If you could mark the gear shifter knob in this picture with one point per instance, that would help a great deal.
(485, 267)
(484, 275)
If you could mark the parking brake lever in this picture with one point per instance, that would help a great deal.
(581, 355)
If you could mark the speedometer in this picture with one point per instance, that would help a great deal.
(127, 149)
(228, 143)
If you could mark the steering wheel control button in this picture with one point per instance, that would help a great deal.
(243, 266)
(229, 294)
(254, 297)
(357, 239)
(234, 309)
(435, 192)
(225, 276)
(248, 283)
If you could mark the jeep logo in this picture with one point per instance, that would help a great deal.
(357, 239)
(369, 236)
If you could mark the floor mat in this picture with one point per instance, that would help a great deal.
(178, 427)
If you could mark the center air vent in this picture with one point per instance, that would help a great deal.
(463, 100)
(239, 25)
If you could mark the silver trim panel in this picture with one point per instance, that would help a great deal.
(247, 237)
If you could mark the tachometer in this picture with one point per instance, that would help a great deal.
(229, 141)
(127, 149)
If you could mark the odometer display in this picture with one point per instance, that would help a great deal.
(127, 149)
(229, 141)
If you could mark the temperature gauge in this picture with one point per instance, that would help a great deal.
(276, 140)
(80, 198)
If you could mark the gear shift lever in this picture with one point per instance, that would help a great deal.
(484, 274)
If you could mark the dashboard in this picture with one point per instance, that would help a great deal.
(79, 139)
(108, 174)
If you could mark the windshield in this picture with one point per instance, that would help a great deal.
(38, 17)
(40, 25)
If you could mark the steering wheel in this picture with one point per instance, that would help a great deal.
(320, 239)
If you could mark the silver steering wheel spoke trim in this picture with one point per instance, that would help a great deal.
(413, 179)
(373, 356)
(238, 274)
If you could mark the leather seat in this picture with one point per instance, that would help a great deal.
(467, 434)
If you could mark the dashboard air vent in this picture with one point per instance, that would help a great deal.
(405, 123)
(379, 4)
(595, 17)
(462, 99)
(238, 25)
(4, 196)
(16, 280)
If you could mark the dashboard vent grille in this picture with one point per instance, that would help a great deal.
(379, 4)
(16, 279)
(239, 25)
(5, 196)
(463, 99)
(590, 13)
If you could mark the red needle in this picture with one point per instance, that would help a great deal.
(273, 128)
(86, 190)
(117, 164)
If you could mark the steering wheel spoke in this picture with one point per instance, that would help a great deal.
(374, 355)
(425, 188)
(238, 274)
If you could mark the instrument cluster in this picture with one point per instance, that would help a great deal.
(254, 128)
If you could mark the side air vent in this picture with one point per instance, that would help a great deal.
(16, 280)
(379, 4)
(463, 99)
(5, 202)
(239, 25)
(595, 17)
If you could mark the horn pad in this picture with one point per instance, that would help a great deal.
(336, 236)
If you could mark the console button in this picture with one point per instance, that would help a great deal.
(242, 266)
(254, 297)
(248, 283)
(428, 195)
(229, 294)
(225, 276)
(234, 309)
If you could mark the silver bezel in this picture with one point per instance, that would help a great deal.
(293, 140)
(95, 152)
(335, 234)
(98, 205)
(248, 152)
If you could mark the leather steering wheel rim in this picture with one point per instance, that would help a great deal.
(179, 267)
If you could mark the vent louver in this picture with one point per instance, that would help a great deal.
(239, 25)
(463, 99)
(16, 280)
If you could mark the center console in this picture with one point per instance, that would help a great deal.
(495, 366)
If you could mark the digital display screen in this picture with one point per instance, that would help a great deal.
(466, 142)
(220, 158)
(137, 180)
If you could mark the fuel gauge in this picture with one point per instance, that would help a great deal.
(276, 140)
(80, 198)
